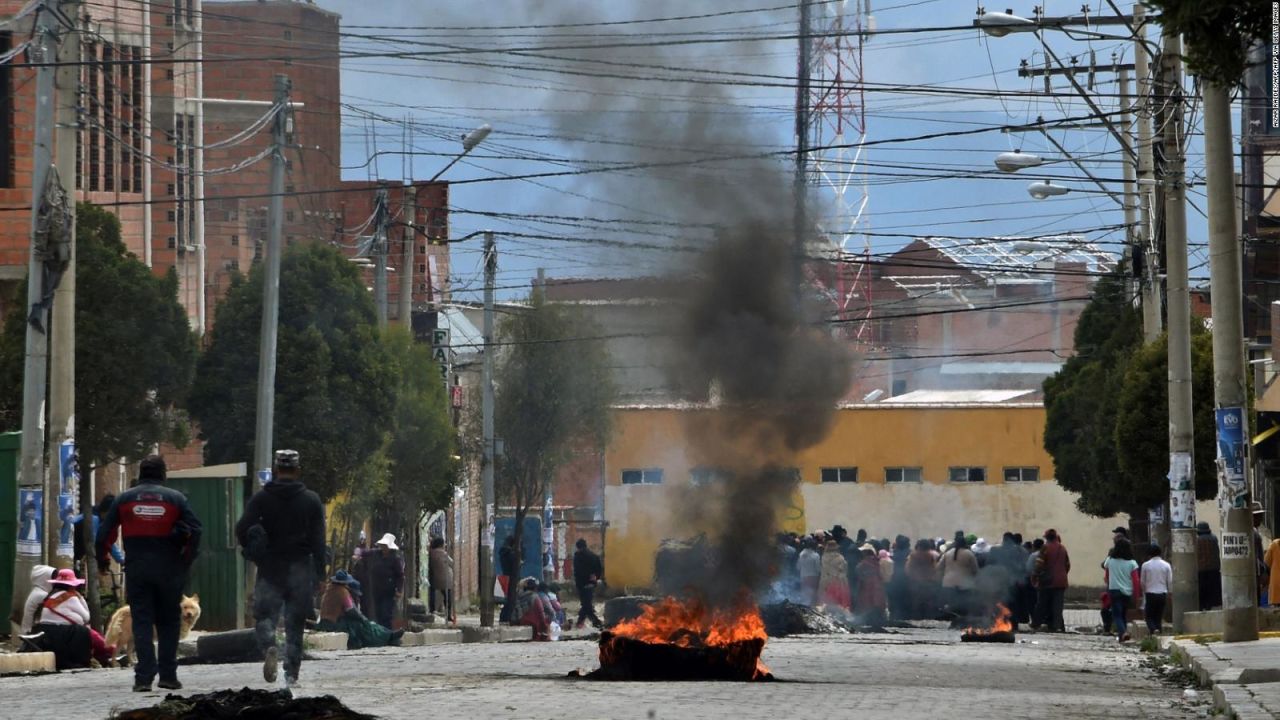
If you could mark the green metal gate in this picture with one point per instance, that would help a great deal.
(216, 494)
(10, 449)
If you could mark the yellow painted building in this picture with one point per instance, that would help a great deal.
(915, 465)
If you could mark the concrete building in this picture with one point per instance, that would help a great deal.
(924, 464)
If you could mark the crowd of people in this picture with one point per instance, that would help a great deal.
(881, 579)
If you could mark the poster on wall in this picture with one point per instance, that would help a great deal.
(1182, 496)
(1231, 456)
(30, 521)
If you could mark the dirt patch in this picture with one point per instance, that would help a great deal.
(244, 704)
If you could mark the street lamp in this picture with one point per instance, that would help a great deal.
(999, 24)
(1043, 190)
(1017, 160)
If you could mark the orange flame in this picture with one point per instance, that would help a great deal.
(691, 623)
(1002, 623)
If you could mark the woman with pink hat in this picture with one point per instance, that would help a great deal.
(65, 606)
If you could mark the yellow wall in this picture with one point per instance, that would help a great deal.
(867, 437)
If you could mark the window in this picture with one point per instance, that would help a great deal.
(840, 474)
(170, 215)
(1021, 474)
(703, 476)
(168, 74)
(235, 241)
(646, 476)
(288, 216)
(903, 475)
(968, 474)
(422, 269)
(422, 249)
(170, 190)
(172, 242)
(899, 388)
(288, 34)
(233, 264)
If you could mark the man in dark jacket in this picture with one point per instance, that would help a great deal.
(588, 571)
(161, 539)
(509, 565)
(384, 568)
(1053, 565)
(282, 531)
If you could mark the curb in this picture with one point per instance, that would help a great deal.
(1230, 694)
(32, 662)
(431, 637)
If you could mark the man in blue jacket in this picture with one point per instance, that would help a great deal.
(161, 540)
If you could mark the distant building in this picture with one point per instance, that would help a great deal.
(923, 464)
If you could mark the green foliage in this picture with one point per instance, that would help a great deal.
(1107, 417)
(135, 351)
(1081, 399)
(335, 381)
(554, 390)
(421, 447)
(1217, 33)
(1141, 427)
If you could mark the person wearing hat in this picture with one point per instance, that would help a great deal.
(161, 539)
(1208, 568)
(339, 613)
(65, 606)
(383, 570)
(284, 524)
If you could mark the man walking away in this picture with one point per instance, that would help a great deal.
(1157, 578)
(161, 540)
(1053, 564)
(282, 532)
(587, 572)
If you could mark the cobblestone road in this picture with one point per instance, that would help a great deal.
(922, 673)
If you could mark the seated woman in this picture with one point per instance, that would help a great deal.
(532, 610)
(340, 612)
(65, 607)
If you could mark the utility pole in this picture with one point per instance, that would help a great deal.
(1135, 218)
(1182, 494)
(486, 468)
(800, 182)
(262, 442)
(1239, 584)
(1152, 295)
(380, 255)
(44, 231)
(408, 206)
(62, 338)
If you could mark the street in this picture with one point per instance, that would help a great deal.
(910, 674)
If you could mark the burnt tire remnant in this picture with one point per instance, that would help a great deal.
(245, 704)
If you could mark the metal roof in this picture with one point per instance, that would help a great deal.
(955, 397)
(1001, 257)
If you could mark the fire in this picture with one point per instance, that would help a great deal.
(691, 624)
(1002, 623)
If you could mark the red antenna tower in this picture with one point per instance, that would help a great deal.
(833, 112)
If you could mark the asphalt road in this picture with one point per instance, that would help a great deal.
(921, 673)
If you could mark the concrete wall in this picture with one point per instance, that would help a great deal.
(870, 438)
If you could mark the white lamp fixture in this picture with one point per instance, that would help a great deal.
(1042, 190)
(1016, 160)
(999, 24)
(475, 137)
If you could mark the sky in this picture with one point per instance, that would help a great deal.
(603, 87)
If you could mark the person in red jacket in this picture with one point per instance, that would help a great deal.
(1052, 568)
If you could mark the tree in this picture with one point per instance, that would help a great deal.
(135, 351)
(1141, 436)
(335, 380)
(1081, 398)
(1218, 34)
(421, 444)
(554, 390)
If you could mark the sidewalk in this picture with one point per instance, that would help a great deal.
(1245, 676)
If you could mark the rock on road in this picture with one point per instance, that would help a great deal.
(922, 673)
